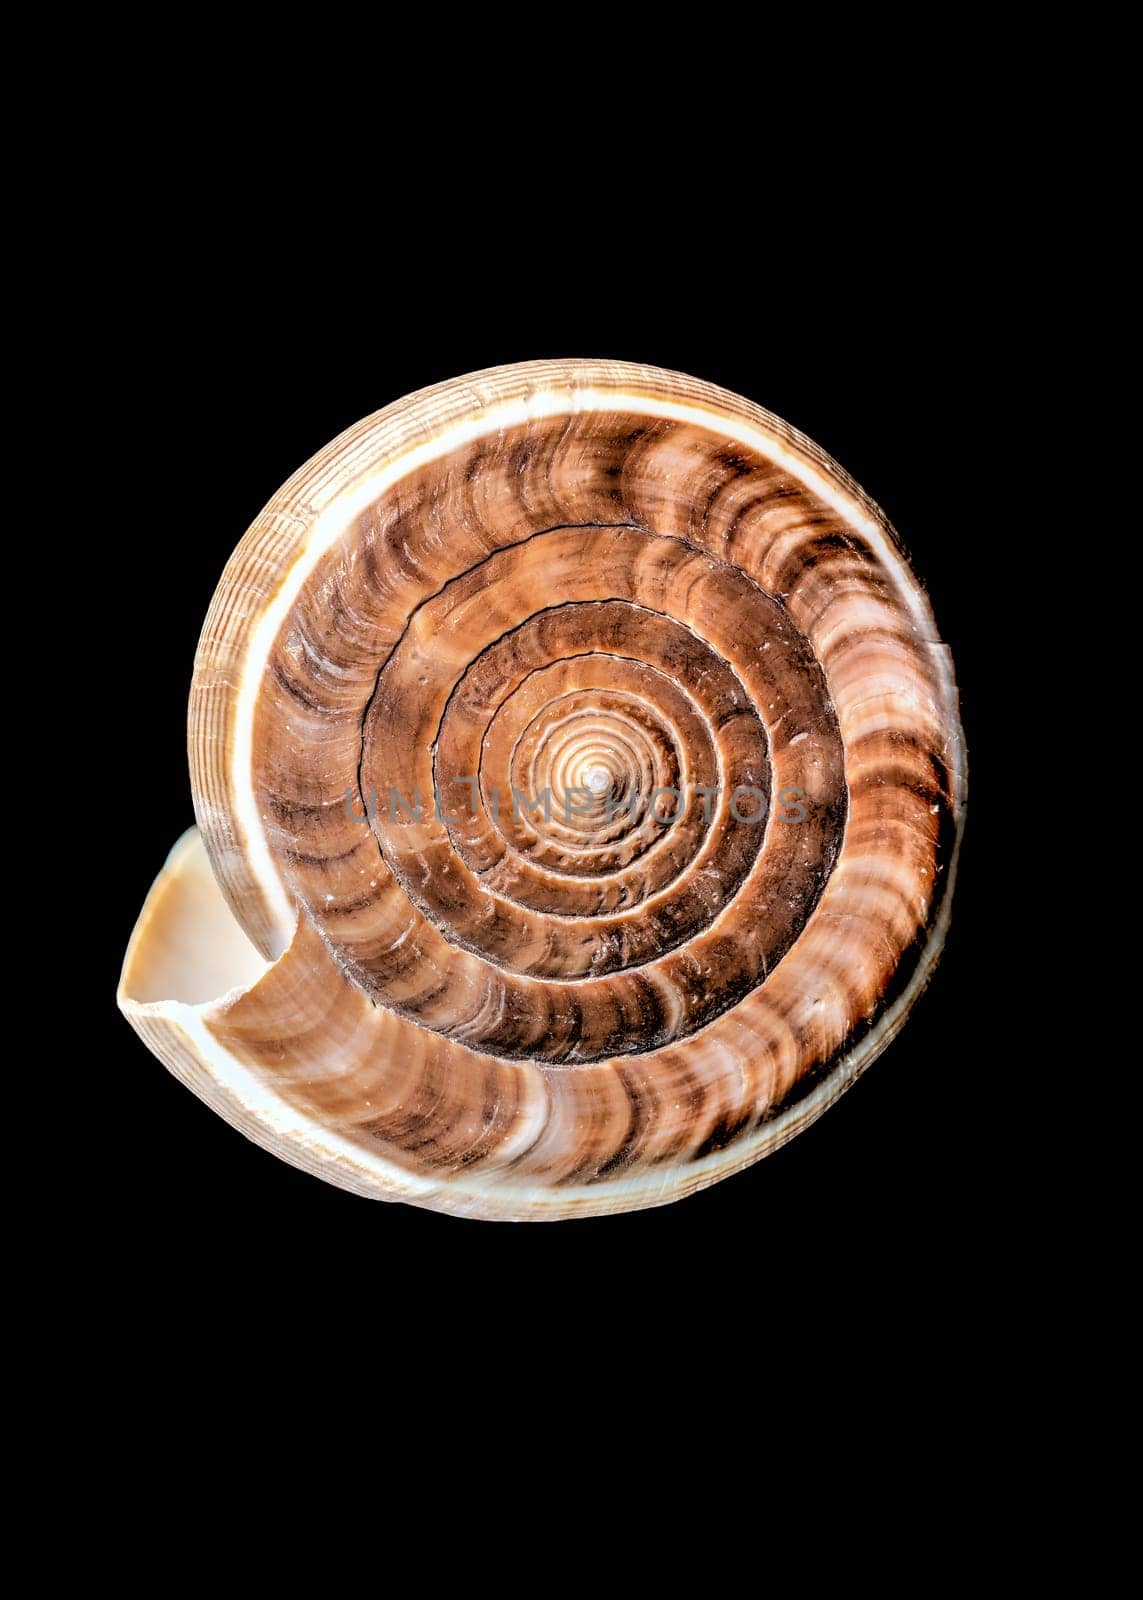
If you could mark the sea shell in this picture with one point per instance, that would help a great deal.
(598, 580)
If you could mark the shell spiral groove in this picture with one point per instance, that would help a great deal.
(579, 779)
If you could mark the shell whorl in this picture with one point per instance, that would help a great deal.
(595, 583)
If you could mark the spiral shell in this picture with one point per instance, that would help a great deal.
(579, 779)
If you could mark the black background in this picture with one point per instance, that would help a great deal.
(255, 364)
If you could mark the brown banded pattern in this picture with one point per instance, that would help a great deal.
(431, 941)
